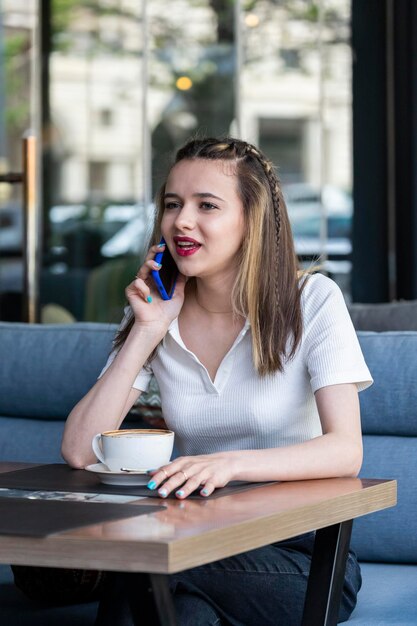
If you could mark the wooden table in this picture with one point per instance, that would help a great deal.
(193, 532)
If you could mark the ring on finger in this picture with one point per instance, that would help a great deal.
(185, 475)
(166, 473)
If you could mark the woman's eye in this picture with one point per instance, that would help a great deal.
(208, 205)
(171, 205)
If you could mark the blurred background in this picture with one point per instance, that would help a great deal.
(108, 89)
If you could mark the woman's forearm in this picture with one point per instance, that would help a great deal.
(326, 456)
(106, 404)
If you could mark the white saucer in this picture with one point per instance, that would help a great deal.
(118, 478)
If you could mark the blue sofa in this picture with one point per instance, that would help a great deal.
(44, 370)
(386, 542)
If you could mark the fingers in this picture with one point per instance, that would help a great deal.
(147, 268)
(153, 251)
(179, 485)
(183, 481)
(168, 479)
(139, 285)
(208, 489)
(149, 263)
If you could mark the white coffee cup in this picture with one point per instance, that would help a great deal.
(135, 448)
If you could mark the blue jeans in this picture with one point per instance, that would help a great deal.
(263, 587)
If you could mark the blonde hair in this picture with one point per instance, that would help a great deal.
(267, 288)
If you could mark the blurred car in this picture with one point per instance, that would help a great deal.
(11, 230)
(122, 228)
(333, 252)
(306, 197)
(133, 234)
(61, 213)
(307, 210)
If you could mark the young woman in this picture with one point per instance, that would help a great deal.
(258, 367)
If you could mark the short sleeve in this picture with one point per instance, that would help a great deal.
(144, 377)
(332, 351)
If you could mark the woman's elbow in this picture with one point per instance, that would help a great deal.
(73, 453)
(71, 457)
(354, 460)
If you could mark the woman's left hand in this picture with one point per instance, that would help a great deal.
(205, 472)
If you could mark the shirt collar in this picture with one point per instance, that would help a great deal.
(174, 331)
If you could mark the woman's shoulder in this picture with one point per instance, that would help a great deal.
(317, 284)
(318, 291)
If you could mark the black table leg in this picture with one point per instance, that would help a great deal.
(327, 574)
(163, 599)
(131, 599)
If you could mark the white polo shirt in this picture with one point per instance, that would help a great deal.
(241, 410)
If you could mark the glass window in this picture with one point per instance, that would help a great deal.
(191, 74)
(128, 82)
(95, 188)
(18, 21)
(295, 90)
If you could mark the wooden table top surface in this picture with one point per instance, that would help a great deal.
(192, 532)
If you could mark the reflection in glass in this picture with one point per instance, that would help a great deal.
(296, 103)
(95, 186)
(127, 82)
(17, 25)
(191, 74)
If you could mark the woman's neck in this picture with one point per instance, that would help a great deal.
(213, 296)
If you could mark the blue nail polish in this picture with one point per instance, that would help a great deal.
(161, 245)
(204, 492)
(151, 485)
(179, 493)
(163, 493)
(149, 299)
(158, 265)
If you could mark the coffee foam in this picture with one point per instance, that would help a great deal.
(135, 432)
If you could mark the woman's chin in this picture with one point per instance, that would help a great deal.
(185, 269)
(186, 272)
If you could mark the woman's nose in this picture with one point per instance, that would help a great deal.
(185, 218)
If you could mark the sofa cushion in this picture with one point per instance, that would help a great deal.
(390, 535)
(37, 441)
(31, 441)
(69, 357)
(46, 369)
(387, 597)
(389, 424)
(384, 316)
(389, 406)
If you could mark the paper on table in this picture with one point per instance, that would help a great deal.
(63, 495)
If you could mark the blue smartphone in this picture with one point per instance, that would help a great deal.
(166, 278)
